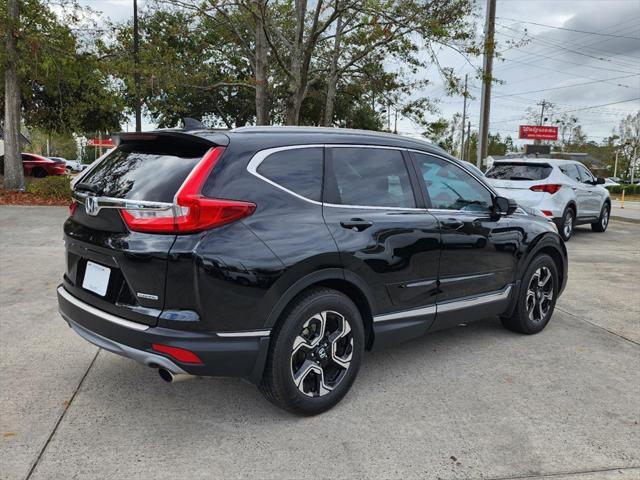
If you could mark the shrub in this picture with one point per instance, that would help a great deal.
(629, 189)
(52, 188)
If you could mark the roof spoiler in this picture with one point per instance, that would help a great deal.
(205, 138)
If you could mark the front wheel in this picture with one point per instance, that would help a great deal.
(537, 297)
(315, 354)
(603, 221)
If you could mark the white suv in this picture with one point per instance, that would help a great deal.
(563, 190)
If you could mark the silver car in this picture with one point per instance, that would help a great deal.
(564, 190)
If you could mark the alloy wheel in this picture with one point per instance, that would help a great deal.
(568, 225)
(605, 218)
(321, 353)
(539, 294)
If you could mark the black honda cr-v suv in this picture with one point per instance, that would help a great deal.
(281, 254)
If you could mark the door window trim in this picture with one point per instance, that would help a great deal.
(262, 155)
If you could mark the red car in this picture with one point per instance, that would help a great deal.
(39, 166)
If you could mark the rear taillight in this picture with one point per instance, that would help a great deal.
(73, 206)
(192, 212)
(549, 188)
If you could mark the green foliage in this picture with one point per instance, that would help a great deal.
(51, 188)
(62, 86)
(60, 144)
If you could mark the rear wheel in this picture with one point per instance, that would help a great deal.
(537, 297)
(603, 221)
(39, 173)
(567, 224)
(315, 354)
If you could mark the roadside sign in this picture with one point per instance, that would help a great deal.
(538, 132)
(100, 142)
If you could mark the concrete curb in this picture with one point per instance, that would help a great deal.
(625, 219)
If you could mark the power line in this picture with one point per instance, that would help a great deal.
(603, 105)
(571, 29)
(566, 86)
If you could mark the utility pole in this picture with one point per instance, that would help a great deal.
(633, 163)
(468, 141)
(544, 104)
(487, 74)
(615, 165)
(464, 117)
(136, 67)
(395, 122)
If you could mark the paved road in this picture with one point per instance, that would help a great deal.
(472, 402)
(631, 211)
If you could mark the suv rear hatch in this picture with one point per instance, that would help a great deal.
(109, 264)
(516, 179)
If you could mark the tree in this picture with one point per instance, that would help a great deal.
(13, 173)
(53, 79)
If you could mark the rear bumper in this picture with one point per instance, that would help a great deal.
(224, 354)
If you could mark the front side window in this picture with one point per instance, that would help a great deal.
(371, 177)
(298, 170)
(585, 174)
(450, 187)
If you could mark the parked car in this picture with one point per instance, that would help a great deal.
(608, 182)
(74, 165)
(38, 166)
(281, 254)
(564, 190)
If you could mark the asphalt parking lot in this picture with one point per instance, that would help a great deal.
(473, 402)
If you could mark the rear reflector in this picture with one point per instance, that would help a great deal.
(192, 212)
(547, 213)
(549, 188)
(182, 355)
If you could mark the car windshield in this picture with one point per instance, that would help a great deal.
(519, 171)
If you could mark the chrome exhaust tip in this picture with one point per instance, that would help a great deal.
(171, 377)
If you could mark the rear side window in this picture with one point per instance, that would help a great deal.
(298, 170)
(371, 177)
(571, 171)
(142, 172)
(519, 171)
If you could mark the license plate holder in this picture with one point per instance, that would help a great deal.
(96, 278)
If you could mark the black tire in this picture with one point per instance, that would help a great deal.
(567, 224)
(529, 319)
(301, 316)
(39, 173)
(603, 221)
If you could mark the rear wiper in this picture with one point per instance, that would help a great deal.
(520, 178)
(88, 187)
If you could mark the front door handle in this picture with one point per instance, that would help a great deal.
(356, 224)
(452, 223)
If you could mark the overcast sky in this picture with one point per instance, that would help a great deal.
(547, 67)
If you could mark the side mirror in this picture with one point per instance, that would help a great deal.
(504, 206)
(599, 181)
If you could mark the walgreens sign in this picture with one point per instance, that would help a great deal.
(538, 132)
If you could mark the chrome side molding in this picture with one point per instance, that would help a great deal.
(448, 306)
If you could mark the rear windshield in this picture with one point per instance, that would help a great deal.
(142, 172)
(519, 171)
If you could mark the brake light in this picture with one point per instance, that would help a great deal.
(192, 212)
(180, 354)
(549, 188)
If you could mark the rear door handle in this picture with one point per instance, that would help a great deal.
(356, 224)
(452, 224)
